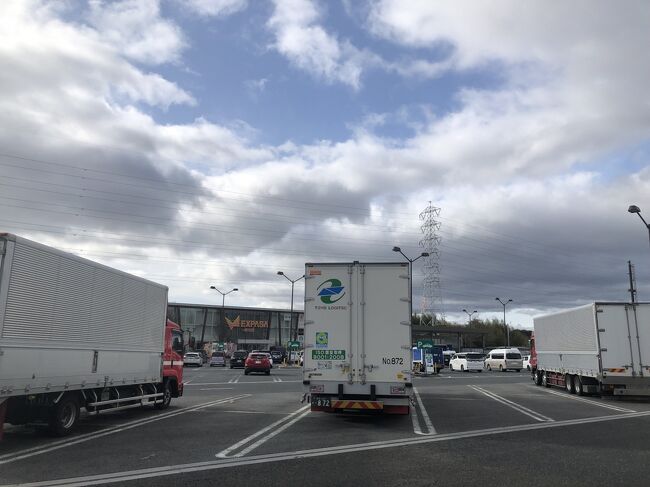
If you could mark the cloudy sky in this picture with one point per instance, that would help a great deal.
(215, 142)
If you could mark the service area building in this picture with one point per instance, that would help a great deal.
(236, 327)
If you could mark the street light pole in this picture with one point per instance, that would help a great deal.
(469, 316)
(637, 210)
(293, 282)
(423, 254)
(504, 317)
(223, 304)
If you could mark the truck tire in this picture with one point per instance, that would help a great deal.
(577, 385)
(569, 383)
(167, 396)
(63, 415)
(545, 381)
(538, 378)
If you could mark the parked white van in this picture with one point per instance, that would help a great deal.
(467, 361)
(503, 359)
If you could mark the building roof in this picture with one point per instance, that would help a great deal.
(244, 308)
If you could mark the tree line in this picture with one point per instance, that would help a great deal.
(496, 332)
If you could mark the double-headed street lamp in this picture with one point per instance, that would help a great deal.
(469, 315)
(223, 295)
(293, 282)
(423, 254)
(504, 317)
(637, 210)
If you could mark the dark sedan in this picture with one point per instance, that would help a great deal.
(238, 359)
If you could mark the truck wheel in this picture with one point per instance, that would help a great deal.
(569, 382)
(63, 416)
(577, 384)
(538, 378)
(166, 398)
(545, 382)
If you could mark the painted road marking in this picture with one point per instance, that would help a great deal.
(517, 407)
(234, 380)
(225, 453)
(240, 383)
(30, 452)
(266, 438)
(217, 389)
(588, 401)
(277, 379)
(425, 416)
(317, 452)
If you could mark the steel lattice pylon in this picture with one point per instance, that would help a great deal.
(431, 289)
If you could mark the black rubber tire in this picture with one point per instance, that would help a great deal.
(246, 372)
(489, 367)
(501, 369)
(577, 385)
(569, 383)
(545, 381)
(538, 378)
(167, 396)
(63, 415)
(268, 372)
(462, 368)
(517, 370)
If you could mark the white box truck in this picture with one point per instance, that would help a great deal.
(77, 334)
(357, 345)
(598, 348)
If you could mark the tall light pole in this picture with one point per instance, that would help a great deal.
(223, 295)
(504, 317)
(469, 315)
(223, 304)
(637, 210)
(293, 282)
(423, 254)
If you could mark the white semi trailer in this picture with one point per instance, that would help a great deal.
(597, 348)
(357, 337)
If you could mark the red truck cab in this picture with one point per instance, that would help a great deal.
(173, 361)
(533, 356)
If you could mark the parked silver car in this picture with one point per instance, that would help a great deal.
(193, 358)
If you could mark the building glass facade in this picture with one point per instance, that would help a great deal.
(235, 328)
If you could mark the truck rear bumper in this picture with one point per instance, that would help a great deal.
(335, 403)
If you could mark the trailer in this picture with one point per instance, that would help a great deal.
(357, 352)
(600, 348)
(77, 334)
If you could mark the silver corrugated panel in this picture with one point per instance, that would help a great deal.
(54, 296)
(573, 330)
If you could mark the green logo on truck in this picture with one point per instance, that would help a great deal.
(331, 291)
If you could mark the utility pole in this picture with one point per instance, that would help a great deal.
(630, 272)
(504, 317)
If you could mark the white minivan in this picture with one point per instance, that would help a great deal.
(467, 361)
(503, 359)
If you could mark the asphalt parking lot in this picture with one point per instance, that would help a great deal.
(467, 428)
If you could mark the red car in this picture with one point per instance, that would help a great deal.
(257, 362)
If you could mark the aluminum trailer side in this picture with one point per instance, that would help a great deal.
(602, 347)
(357, 337)
(70, 324)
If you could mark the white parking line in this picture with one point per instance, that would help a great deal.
(30, 452)
(217, 389)
(425, 416)
(316, 452)
(517, 407)
(234, 380)
(588, 401)
(226, 453)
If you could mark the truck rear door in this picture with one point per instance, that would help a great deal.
(623, 339)
(384, 333)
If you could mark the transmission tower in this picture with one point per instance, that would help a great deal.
(431, 290)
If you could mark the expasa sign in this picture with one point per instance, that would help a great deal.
(247, 324)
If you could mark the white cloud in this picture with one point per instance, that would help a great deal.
(215, 8)
(135, 29)
(310, 47)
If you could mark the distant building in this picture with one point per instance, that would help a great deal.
(235, 327)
